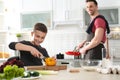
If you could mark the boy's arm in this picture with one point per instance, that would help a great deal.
(19, 46)
(23, 47)
(12, 45)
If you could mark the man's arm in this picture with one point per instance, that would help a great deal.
(81, 44)
(97, 38)
(95, 41)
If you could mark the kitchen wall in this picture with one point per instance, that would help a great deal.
(67, 29)
(70, 10)
(63, 39)
(66, 35)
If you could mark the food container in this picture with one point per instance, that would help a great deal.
(90, 65)
(3, 54)
(60, 56)
(90, 62)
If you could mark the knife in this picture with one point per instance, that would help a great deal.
(43, 58)
(75, 49)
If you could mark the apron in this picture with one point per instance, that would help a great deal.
(94, 53)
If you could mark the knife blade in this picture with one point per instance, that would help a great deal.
(75, 49)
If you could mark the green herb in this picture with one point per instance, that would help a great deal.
(18, 35)
(12, 72)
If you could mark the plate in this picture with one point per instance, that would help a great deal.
(89, 68)
(73, 53)
(31, 78)
(47, 72)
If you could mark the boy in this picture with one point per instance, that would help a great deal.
(31, 51)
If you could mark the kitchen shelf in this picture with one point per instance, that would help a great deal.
(2, 60)
(70, 22)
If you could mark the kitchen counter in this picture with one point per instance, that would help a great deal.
(78, 62)
(82, 75)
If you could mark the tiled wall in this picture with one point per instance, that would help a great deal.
(62, 42)
(59, 40)
(114, 48)
(4, 41)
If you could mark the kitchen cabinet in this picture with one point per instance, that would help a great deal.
(2, 14)
(36, 5)
(63, 11)
(8, 12)
(3, 32)
(4, 37)
(66, 11)
(114, 45)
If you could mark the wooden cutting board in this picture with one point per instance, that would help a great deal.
(55, 68)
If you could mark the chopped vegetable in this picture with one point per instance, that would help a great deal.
(34, 73)
(26, 74)
(31, 74)
(47, 72)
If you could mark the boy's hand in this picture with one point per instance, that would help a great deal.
(36, 53)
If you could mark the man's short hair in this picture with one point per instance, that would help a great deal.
(92, 1)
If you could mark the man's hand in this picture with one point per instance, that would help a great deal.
(83, 50)
(81, 45)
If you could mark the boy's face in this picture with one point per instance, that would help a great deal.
(38, 37)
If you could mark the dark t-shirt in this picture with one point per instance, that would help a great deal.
(27, 57)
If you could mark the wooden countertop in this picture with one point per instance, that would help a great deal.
(55, 68)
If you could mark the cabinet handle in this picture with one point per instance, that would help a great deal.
(66, 15)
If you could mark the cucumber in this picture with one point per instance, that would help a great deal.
(34, 73)
(26, 74)
(31, 74)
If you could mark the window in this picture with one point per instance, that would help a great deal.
(28, 20)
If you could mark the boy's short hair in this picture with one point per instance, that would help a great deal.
(41, 27)
(92, 1)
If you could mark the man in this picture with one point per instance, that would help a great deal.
(31, 51)
(96, 33)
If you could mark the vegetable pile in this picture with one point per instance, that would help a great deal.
(11, 71)
(19, 63)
